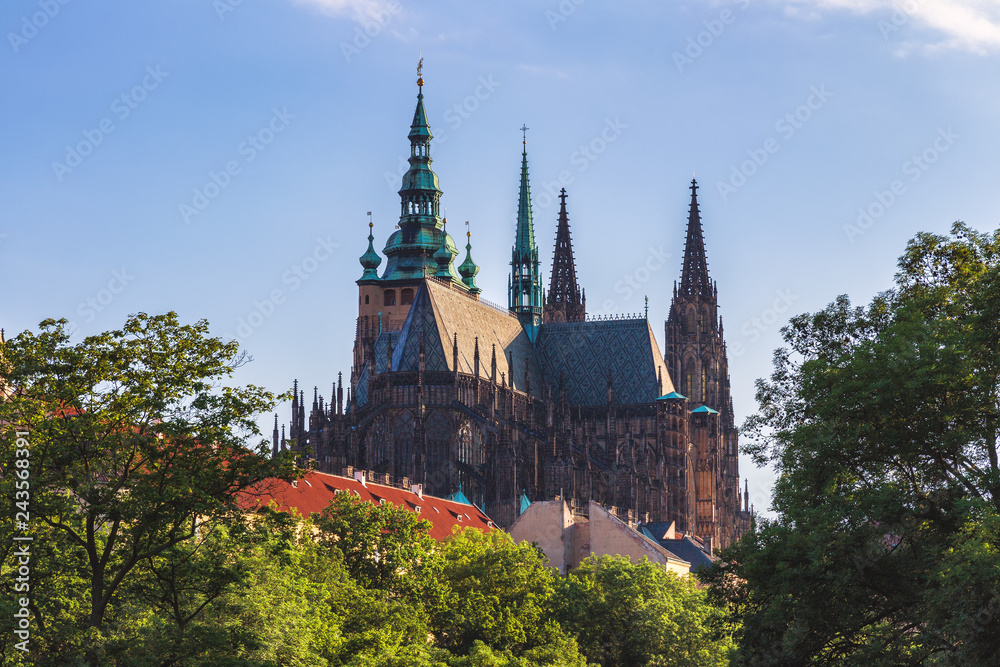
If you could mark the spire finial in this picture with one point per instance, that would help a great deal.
(524, 137)
(420, 73)
(647, 308)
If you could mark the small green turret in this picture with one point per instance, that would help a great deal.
(469, 268)
(370, 260)
(444, 255)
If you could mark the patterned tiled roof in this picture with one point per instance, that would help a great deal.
(582, 354)
(382, 352)
(361, 388)
(439, 313)
(315, 490)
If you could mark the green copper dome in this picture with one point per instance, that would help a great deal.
(370, 260)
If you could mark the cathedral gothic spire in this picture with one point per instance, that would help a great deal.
(525, 292)
(694, 274)
(564, 302)
(695, 350)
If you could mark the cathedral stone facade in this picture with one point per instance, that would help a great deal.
(504, 406)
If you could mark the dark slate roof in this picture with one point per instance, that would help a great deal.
(439, 313)
(687, 550)
(657, 528)
(382, 349)
(582, 353)
(360, 397)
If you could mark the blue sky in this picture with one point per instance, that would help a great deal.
(218, 158)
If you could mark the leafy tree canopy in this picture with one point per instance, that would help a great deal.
(883, 423)
(133, 443)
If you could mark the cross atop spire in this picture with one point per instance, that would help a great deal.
(524, 136)
(694, 274)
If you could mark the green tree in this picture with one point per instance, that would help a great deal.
(501, 595)
(633, 614)
(135, 445)
(383, 546)
(883, 423)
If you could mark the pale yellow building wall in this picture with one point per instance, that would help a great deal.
(609, 535)
(567, 540)
(549, 524)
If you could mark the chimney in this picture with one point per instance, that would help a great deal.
(418, 489)
(360, 476)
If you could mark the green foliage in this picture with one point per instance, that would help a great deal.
(132, 440)
(500, 594)
(639, 614)
(143, 557)
(883, 423)
(385, 546)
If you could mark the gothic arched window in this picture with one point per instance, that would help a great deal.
(406, 297)
(470, 448)
(389, 298)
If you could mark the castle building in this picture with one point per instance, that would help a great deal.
(505, 406)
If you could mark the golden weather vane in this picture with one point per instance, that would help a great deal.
(420, 72)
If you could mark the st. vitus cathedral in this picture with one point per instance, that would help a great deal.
(506, 406)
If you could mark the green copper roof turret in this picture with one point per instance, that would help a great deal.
(443, 256)
(524, 296)
(469, 269)
(370, 260)
(410, 250)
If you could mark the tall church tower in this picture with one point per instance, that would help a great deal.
(695, 349)
(696, 356)
(564, 301)
(524, 293)
(419, 248)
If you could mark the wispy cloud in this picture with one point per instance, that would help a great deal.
(971, 25)
(359, 10)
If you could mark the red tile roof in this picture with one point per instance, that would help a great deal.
(313, 493)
